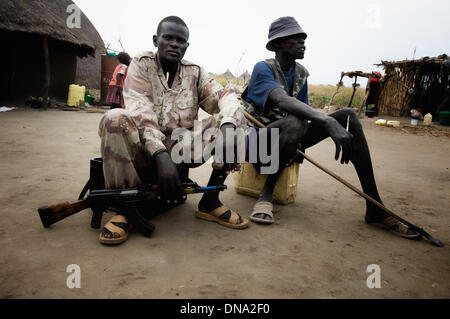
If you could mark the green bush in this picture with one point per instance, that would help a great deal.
(318, 101)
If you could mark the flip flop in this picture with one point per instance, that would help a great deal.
(225, 217)
(265, 208)
(397, 228)
(117, 224)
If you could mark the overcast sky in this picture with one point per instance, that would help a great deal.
(345, 35)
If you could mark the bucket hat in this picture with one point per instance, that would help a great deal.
(283, 27)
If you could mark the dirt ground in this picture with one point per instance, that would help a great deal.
(319, 246)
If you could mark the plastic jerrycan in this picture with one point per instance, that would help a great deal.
(427, 119)
(76, 93)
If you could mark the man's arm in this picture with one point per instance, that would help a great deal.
(120, 74)
(118, 79)
(138, 95)
(293, 106)
(341, 137)
(214, 98)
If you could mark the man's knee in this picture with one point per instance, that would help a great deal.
(354, 124)
(116, 121)
(294, 128)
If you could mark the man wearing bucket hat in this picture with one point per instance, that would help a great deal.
(277, 96)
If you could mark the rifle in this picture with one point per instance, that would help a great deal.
(123, 200)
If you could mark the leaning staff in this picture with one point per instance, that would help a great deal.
(413, 227)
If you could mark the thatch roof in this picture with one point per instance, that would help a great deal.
(245, 75)
(425, 60)
(421, 84)
(46, 18)
(228, 75)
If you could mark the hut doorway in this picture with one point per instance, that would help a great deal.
(23, 71)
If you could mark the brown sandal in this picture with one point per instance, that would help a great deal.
(397, 227)
(219, 215)
(116, 225)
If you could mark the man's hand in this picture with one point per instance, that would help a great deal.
(168, 179)
(229, 163)
(341, 137)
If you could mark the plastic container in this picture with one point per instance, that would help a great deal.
(370, 113)
(89, 99)
(414, 122)
(444, 118)
(393, 123)
(248, 181)
(427, 119)
(76, 94)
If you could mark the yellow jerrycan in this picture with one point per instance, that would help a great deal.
(76, 93)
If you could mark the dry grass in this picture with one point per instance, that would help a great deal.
(222, 80)
(319, 95)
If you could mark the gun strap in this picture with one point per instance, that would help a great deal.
(85, 189)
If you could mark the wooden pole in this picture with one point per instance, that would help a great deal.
(365, 98)
(46, 73)
(337, 89)
(356, 190)
(353, 94)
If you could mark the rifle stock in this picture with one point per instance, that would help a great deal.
(54, 213)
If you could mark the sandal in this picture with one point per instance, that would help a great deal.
(262, 208)
(397, 227)
(116, 225)
(225, 217)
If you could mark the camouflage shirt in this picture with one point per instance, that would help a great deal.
(157, 109)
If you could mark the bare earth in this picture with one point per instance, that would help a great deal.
(319, 246)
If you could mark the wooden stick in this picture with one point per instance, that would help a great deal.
(413, 227)
(365, 98)
(337, 89)
(46, 72)
(340, 179)
(353, 94)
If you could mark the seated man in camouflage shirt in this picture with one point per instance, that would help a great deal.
(277, 97)
(163, 93)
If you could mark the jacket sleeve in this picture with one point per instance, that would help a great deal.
(138, 97)
(215, 99)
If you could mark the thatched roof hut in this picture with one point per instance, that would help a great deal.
(44, 18)
(228, 75)
(40, 49)
(420, 84)
(244, 77)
